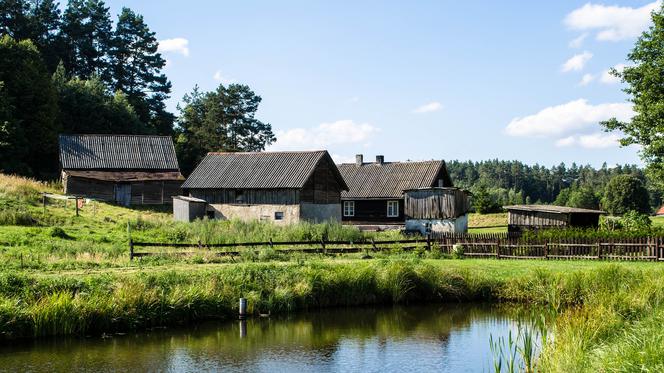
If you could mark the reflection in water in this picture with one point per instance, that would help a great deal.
(448, 338)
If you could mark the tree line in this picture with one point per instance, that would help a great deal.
(78, 70)
(497, 183)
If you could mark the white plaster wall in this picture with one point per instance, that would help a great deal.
(257, 212)
(458, 225)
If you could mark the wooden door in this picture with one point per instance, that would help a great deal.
(123, 194)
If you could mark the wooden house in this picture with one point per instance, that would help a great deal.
(283, 187)
(125, 169)
(522, 217)
(375, 190)
(436, 210)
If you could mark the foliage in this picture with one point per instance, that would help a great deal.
(625, 193)
(635, 221)
(220, 120)
(483, 202)
(28, 124)
(457, 251)
(581, 197)
(644, 78)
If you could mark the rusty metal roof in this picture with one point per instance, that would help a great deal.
(390, 179)
(103, 152)
(552, 209)
(258, 170)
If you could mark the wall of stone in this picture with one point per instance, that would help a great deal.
(264, 212)
(458, 225)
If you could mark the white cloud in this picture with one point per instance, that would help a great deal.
(324, 135)
(578, 41)
(218, 76)
(597, 140)
(606, 76)
(428, 108)
(176, 45)
(612, 23)
(569, 117)
(354, 99)
(586, 79)
(577, 62)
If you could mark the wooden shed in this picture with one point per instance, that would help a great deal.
(283, 187)
(188, 208)
(436, 210)
(375, 194)
(125, 169)
(520, 217)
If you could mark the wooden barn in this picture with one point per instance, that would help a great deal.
(436, 210)
(375, 194)
(125, 169)
(522, 217)
(283, 187)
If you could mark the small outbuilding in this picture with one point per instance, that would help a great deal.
(436, 210)
(125, 169)
(283, 187)
(523, 217)
(188, 208)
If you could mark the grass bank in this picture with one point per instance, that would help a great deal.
(609, 315)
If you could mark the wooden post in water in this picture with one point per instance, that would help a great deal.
(243, 308)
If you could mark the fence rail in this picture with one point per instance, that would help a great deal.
(498, 245)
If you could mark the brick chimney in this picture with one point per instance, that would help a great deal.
(358, 159)
(380, 159)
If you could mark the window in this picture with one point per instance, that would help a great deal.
(392, 209)
(239, 196)
(278, 215)
(349, 208)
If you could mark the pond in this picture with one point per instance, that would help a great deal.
(441, 337)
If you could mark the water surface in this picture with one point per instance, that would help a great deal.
(441, 338)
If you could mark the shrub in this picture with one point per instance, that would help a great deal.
(457, 251)
(16, 217)
(58, 232)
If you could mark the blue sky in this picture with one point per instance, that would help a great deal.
(417, 80)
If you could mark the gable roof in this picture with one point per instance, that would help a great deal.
(390, 179)
(117, 152)
(553, 209)
(259, 170)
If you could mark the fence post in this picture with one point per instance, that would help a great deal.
(498, 248)
(44, 201)
(271, 243)
(599, 250)
(428, 241)
(546, 250)
(322, 244)
(131, 249)
(200, 245)
(76, 201)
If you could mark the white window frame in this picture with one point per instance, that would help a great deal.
(392, 209)
(349, 208)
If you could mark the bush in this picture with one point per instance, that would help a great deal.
(626, 193)
(14, 217)
(58, 232)
(457, 251)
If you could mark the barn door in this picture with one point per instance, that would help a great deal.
(123, 194)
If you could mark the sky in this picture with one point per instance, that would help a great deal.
(512, 80)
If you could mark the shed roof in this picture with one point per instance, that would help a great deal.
(99, 152)
(390, 179)
(127, 176)
(553, 209)
(259, 170)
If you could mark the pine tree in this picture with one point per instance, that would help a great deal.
(86, 33)
(136, 71)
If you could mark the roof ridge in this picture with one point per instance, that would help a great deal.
(107, 135)
(271, 152)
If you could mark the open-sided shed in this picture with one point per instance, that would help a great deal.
(436, 210)
(520, 217)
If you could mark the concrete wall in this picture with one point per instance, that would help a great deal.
(458, 225)
(318, 213)
(188, 211)
(257, 212)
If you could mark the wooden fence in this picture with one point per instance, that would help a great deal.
(499, 246)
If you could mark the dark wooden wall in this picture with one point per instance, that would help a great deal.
(435, 204)
(322, 186)
(142, 192)
(249, 196)
(373, 211)
(536, 218)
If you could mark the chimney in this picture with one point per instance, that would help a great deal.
(380, 159)
(358, 159)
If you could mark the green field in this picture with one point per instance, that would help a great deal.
(61, 274)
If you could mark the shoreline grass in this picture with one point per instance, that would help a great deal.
(604, 310)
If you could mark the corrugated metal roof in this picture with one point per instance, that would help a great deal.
(258, 170)
(390, 179)
(86, 152)
(552, 209)
(118, 176)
